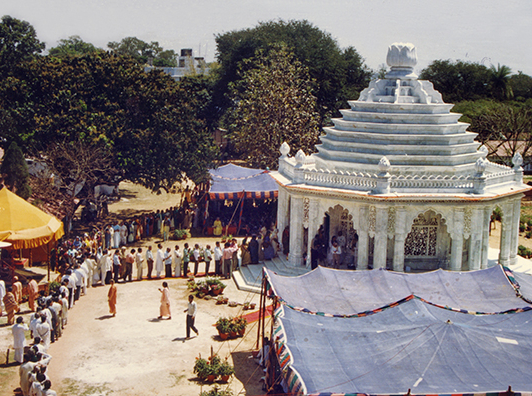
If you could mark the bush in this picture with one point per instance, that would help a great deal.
(217, 392)
(528, 234)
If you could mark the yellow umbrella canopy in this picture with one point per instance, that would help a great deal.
(24, 225)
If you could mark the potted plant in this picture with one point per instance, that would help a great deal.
(219, 300)
(213, 368)
(201, 368)
(225, 370)
(239, 325)
(217, 392)
(223, 325)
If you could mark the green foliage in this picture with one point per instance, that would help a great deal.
(217, 392)
(497, 214)
(500, 80)
(142, 52)
(72, 46)
(273, 103)
(223, 325)
(150, 124)
(18, 43)
(225, 368)
(459, 80)
(521, 85)
(14, 170)
(336, 75)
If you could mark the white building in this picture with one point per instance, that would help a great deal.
(401, 171)
(187, 65)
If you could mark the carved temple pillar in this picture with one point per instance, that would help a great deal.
(312, 223)
(506, 233)
(475, 240)
(457, 240)
(514, 243)
(381, 238)
(485, 226)
(283, 199)
(363, 239)
(295, 256)
(399, 240)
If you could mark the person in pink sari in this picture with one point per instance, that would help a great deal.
(165, 302)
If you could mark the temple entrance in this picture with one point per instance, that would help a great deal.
(338, 226)
(427, 246)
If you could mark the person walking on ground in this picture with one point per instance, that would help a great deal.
(149, 261)
(139, 260)
(111, 298)
(19, 339)
(164, 310)
(191, 315)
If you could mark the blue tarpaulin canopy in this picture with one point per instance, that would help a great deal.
(234, 182)
(380, 333)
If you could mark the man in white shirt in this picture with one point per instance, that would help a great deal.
(218, 255)
(178, 257)
(43, 332)
(80, 282)
(19, 338)
(191, 315)
(149, 261)
(168, 263)
(159, 261)
(139, 260)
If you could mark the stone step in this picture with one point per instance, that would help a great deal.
(242, 285)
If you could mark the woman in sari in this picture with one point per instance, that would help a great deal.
(165, 302)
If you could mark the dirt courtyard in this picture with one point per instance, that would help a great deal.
(135, 353)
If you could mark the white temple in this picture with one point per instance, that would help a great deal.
(402, 172)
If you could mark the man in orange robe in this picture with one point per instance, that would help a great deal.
(17, 291)
(33, 292)
(11, 306)
(111, 296)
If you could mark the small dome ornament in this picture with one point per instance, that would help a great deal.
(483, 150)
(480, 165)
(284, 149)
(517, 160)
(402, 58)
(384, 165)
(300, 158)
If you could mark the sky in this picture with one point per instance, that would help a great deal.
(484, 31)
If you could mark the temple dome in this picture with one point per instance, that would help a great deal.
(403, 119)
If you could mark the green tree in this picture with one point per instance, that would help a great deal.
(506, 132)
(14, 170)
(18, 43)
(151, 125)
(521, 85)
(142, 52)
(336, 75)
(72, 46)
(458, 81)
(500, 80)
(273, 103)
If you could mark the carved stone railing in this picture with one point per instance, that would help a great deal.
(345, 180)
(393, 183)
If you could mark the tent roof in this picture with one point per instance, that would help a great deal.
(336, 292)
(232, 181)
(24, 225)
(413, 345)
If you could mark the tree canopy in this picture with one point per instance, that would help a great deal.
(151, 124)
(72, 46)
(18, 43)
(337, 75)
(273, 103)
(142, 52)
(14, 171)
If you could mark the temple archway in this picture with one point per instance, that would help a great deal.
(427, 245)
